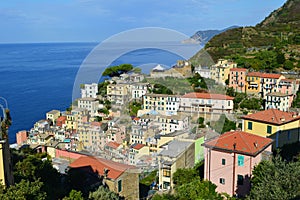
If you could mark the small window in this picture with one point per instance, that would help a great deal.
(250, 125)
(289, 135)
(223, 161)
(269, 129)
(241, 159)
(119, 185)
(222, 181)
(240, 179)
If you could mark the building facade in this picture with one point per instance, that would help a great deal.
(89, 90)
(230, 159)
(237, 79)
(220, 71)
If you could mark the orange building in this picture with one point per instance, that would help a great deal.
(237, 79)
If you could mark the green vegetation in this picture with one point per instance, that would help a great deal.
(239, 97)
(223, 124)
(148, 180)
(251, 104)
(102, 88)
(134, 107)
(161, 89)
(276, 179)
(117, 70)
(103, 193)
(74, 195)
(230, 92)
(197, 82)
(189, 186)
(270, 45)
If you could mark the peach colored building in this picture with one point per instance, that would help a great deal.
(21, 137)
(230, 159)
(61, 121)
(237, 79)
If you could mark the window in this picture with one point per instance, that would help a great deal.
(222, 181)
(250, 125)
(240, 179)
(119, 185)
(166, 173)
(269, 129)
(223, 161)
(241, 160)
(166, 185)
(289, 135)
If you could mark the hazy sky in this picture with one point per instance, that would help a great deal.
(96, 20)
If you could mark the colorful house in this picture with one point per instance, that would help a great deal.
(253, 83)
(237, 79)
(220, 71)
(119, 178)
(52, 115)
(282, 127)
(230, 159)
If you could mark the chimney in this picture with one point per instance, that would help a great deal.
(273, 118)
(255, 144)
(282, 119)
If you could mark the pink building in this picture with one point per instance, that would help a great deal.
(21, 137)
(60, 121)
(287, 86)
(230, 159)
(237, 79)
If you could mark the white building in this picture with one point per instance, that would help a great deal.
(171, 123)
(138, 90)
(277, 100)
(206, 102)
(203, 71)
(89, 103)
(89, 90)
(162, 103)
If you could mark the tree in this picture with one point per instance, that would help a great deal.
(239, 97)
(161, 89)
(74, 195)
(251, 104)
(103, 193)
(24, 190)
(223, 124)
(117, 70)
(184, 176)
(134, 107)
(276, 179)
(230, 92)
(198, 190)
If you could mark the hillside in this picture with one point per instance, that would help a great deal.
(272, 44)
(204, 36)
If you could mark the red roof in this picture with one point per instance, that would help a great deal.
(136, 119)
(238, 69)
(138, 146)
(96, 123)
(240, 142)
(61, 118)
(99, 164)
(264, 75)
(207, 96)
(273, 116)
(113, 144)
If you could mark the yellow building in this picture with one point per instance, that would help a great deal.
(177, 154)
(52, 115)
(282, 127)
(220, 71)
(118, 94)
(253, 82)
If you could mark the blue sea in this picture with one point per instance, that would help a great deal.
(36, 78)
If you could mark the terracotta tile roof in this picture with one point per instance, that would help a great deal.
(136, 119)
(99, 164)
(255, 74)
(238, 69)
(207, 96)
(273, 116)
(264, 75)
(137, 146)
(245, 143)
(113, 144)
(61, 118)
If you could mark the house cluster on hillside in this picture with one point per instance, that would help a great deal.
(118, 147)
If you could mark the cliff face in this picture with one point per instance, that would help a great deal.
(278, 32)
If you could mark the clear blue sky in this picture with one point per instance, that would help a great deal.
(96, 20)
